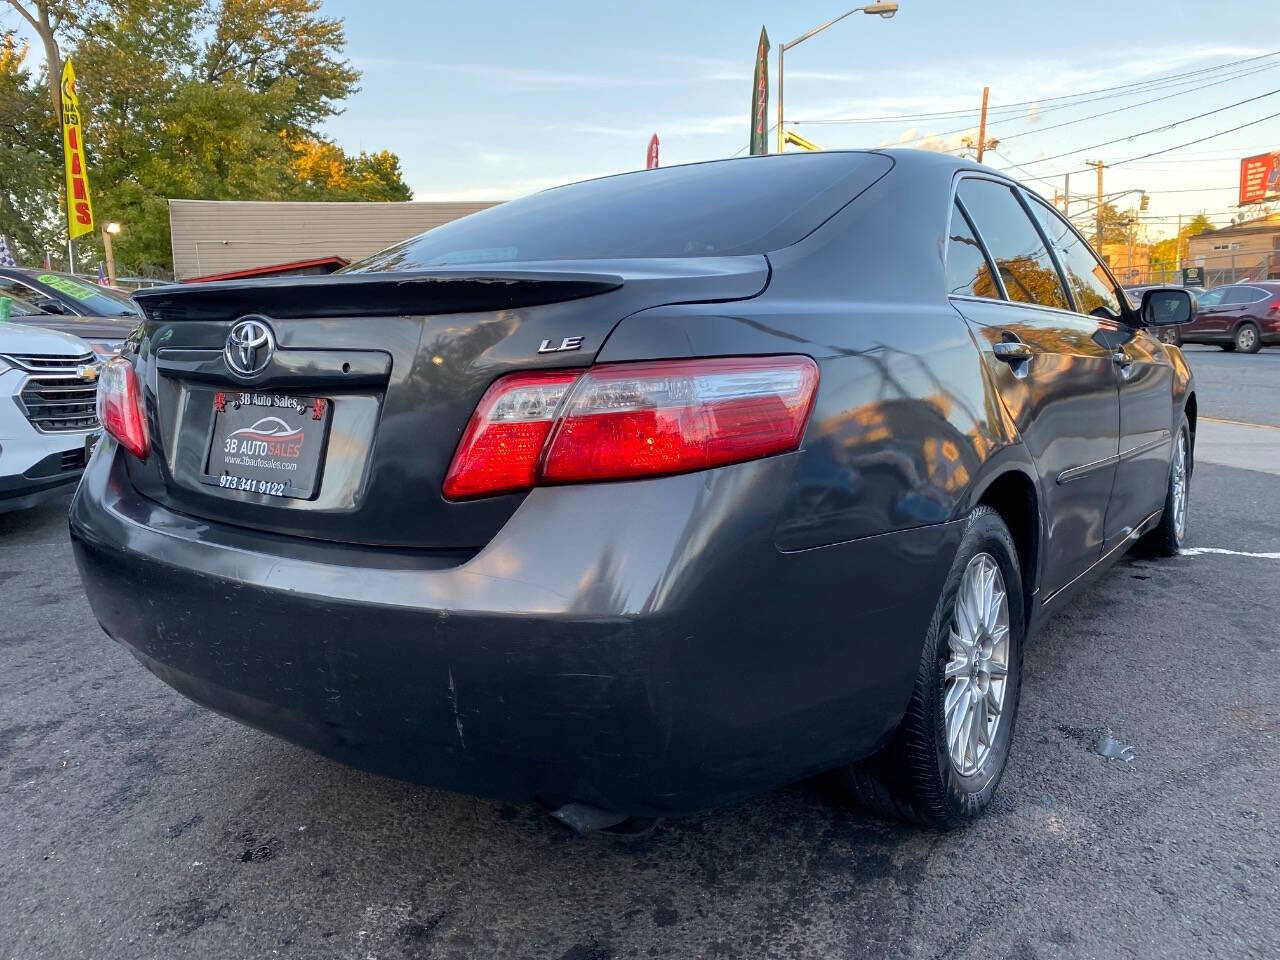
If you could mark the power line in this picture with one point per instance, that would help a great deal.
(1135, 87)
(1160, 129)
(1194, 89)
(1177, 146)
(1018, 166)
(1142, 103)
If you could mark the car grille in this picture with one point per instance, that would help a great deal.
(44, 361)
(57, 398)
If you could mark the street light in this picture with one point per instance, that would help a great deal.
(886, 10)
(109, 230)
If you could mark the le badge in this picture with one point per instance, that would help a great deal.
(568, 343)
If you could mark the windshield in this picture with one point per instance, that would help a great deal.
(725, 208)
(18, 307)
(90, 296)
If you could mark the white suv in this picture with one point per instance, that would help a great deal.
(48, 412)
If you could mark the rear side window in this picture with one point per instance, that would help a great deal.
(968, 273)
(724, 208)
(1091, 288)
(1015, 245)
(1238, 295)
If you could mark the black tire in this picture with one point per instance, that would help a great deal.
(1247, 339)
(913, 777)
(1167, 539)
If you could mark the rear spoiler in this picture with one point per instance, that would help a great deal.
(370, 295)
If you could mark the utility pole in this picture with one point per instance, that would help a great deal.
(1177, 246)
(1066, 195)
(1097, 230)
(982, 124)
(1133, 240)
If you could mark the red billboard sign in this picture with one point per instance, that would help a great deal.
(1260, 178)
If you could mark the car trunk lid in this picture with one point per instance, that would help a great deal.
(397, 362)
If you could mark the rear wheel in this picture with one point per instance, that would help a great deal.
(1170, 534)
(942, 766)
(1247, 339)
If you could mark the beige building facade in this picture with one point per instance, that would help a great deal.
(1247, 251)
(214, 237)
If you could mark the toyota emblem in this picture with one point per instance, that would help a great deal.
(249, 347)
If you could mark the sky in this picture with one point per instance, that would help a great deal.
(495, 100)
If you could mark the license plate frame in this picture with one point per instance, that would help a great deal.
(267, 444)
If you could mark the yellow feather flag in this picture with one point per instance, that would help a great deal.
(79, 206)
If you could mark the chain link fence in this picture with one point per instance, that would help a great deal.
(1215, 271)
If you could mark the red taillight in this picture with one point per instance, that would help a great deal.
(629, 420)
(120, 406)
(500, 450)
(1275, 306)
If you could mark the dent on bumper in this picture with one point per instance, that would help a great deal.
(652, 659)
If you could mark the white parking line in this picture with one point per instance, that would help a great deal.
(1196, 551)
(1241, 423)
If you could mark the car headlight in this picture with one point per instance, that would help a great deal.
(106, 349)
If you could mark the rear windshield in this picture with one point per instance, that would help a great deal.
(724, 208)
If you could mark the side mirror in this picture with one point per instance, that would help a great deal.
(1168, 306)
(51, 306)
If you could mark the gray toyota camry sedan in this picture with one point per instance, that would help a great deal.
(641, 494)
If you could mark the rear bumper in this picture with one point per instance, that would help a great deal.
(640, 647)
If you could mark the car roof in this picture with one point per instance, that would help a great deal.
(905, 160)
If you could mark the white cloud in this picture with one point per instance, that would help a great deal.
(530, 79)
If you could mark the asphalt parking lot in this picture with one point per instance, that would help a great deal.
(135, 825)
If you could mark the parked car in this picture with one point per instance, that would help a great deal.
(55, 292)
(48, 416)
(104, 335)
(644, 493)
(1238, 316)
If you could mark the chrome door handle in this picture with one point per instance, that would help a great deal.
(1122, 358)
(1012, 351)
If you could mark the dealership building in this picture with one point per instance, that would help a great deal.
(227, 239)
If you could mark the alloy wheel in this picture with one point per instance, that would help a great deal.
(1179, 482)
(977, 670)
(1246, 338)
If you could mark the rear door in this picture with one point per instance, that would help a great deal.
(1143, 372)
(1052, 366)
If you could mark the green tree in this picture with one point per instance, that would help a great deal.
(1164, 253)
(265, 43)
(30, 167)
(1115, 224)
(207, 99)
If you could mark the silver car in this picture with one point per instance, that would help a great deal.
(48, 412)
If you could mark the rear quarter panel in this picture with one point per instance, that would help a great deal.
(906, 429)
